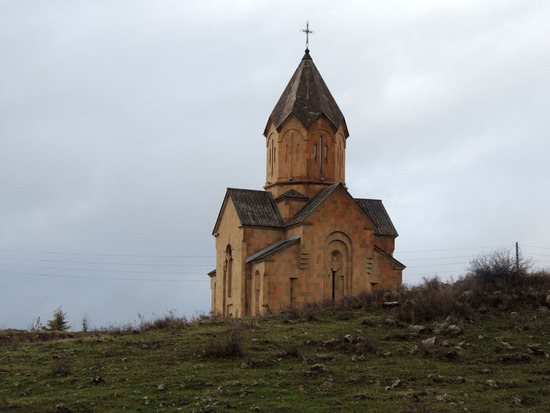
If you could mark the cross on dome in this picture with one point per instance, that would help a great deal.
(307, 32)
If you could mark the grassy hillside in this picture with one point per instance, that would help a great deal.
(441, 348)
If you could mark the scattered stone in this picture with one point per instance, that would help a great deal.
(386, 354)
(480, 337)
(348, 338)
(318, 367)
(513, 357)
(414, 349)
(454, 329)
(390, 304)
(486, 371)
(536, 349)
(444, 398)
(436, 378)
(547, 301)
(315, 369)
(411, 396)
(459, 379)
(506, 345)
(418, 329)
(97, 379)
(439, 327)
(516, 400)
(395, 383)
(331, 342)
(452, 353)
(161, 387)
(429, 342)
(492, 384)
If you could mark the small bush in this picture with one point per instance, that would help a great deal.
(430, 301)
(499, 268)
(230, 343)
(61, 366)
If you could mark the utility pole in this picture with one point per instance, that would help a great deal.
(517, 257)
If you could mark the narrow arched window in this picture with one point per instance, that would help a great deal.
(228, 268)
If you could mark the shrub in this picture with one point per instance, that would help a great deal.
(429, 301)
(499, 268)
(230, 343)
(168, 321)
(61, 366)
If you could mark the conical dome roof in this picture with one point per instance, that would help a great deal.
(307, 97)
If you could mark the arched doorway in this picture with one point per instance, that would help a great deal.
(227, 279)
(257, 293)
(338, 266)
(337, 272)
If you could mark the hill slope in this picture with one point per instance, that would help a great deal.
(357, 357)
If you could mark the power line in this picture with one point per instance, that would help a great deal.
(108, 254)
(106, 263)
(106, 270)
(118, 279)
(12, 273)
(435, 265)
(437, 258)
(533, 246)
(451, 249)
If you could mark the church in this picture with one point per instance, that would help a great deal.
(304, 238)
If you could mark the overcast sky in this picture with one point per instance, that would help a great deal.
(122, 123)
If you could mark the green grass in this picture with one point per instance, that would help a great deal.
(285, 365)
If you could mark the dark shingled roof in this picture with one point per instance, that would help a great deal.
(312, 204)
(256, 207)
(377, 213)
(395, 262)
(307, 97)
(292, 194)
(273, 248)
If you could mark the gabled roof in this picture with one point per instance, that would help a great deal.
(390, 257)
(377, 213)
(307, 97)
(254, 208)
(273, 248)
(292, 194)
(312, 204)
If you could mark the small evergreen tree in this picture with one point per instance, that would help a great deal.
(59, 321)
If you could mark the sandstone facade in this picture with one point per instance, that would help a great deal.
(304, 237)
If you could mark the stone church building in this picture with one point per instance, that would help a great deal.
(304, 237)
